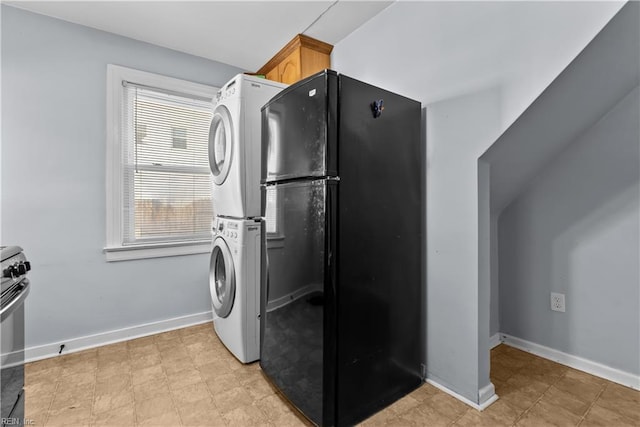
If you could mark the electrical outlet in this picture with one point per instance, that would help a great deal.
(557, 302)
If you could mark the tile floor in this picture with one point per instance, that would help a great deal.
(187, 377)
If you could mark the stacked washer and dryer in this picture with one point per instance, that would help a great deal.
(234, 158)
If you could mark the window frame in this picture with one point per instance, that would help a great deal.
(114, 249)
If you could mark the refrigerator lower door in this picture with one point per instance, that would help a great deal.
(297, 294)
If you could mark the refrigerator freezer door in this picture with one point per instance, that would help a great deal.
(299, 132)
(298, 293)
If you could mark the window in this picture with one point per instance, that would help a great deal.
(158, 176)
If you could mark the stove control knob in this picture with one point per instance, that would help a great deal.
(10, 271)
(27, 264)
(22, 269)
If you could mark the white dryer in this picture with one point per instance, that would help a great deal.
(234, 281)
(234, 145)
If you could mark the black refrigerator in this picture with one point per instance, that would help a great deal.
(342, 195)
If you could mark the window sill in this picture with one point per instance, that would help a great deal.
(158, 250)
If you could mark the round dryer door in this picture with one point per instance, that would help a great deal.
(222, 278)
(220, 144)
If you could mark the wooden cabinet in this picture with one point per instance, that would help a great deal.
(300, 58)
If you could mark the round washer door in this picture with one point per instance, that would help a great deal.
(220, 144)
(222, 278)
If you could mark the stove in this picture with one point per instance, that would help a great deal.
(14, 290)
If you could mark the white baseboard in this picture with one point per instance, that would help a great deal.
(479, 407)
(73, 345)
(495, 340)
(579, 363)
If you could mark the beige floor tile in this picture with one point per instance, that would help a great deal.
(519, 399)
(170, 353)
(621, 399)
(229, 400)
(202, 327)
(474, 418)
(41, 365)
(140, 342)
(142, 375)
(183, 378)
(75, 397)
(501, 372)
(525, 383)
(119, 347)
(113, 385)
(81, 366)
(80, 356)
(70, 381)
(113, 356)
(146, 361)
(545, 414)
(168, 419)
(160, 407)
(49, 375)
(38, 398)
(169, 343)
(600, 416)
(36, 419)
(246, 376)
(276, 408)
(143, 351)
(168, 336)
(247, 415)
(403, 405)
(448, 406)
(259, 388)
(222, 383)
(124, 416)
(112, 401)
(423, 415)
(568, 401)
(585, 391)
(425, 391)
(175, 366)
(501, 412)
(213, 369)
(72, 416)
(197, 392)
(381, 418)
(200, 339)
(202, 413)
(113, 369)
(150, 389)
(188, 377)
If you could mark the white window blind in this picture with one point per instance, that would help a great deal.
(166, 185)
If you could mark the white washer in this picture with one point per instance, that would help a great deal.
(234, 281)
(234, 145)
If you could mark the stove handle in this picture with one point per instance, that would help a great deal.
(17, 301)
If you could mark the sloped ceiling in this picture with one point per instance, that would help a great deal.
(245, 34)
(604, 72)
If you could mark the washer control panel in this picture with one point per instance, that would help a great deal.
(228, 229)
(227, 91)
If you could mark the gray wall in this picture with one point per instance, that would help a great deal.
(476, 66)
(53, 180)
(575, 230)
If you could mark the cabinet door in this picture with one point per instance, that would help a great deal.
(273, 74)
(289, 69)
(312, 61)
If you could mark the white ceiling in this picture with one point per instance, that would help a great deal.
(241, 33)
